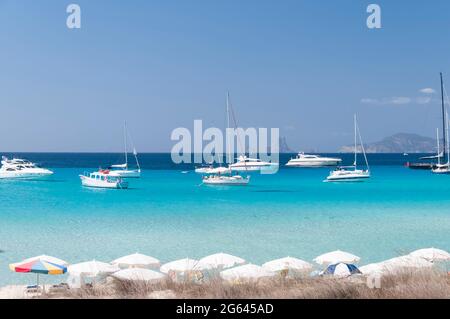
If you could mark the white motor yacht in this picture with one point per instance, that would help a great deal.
(308, 160)
(204, 169)
(103, 179)
(17, 168)
(351, 173)
(246, 164)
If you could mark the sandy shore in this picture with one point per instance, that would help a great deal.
(13, 292)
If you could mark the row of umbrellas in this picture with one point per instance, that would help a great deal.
(140, 267)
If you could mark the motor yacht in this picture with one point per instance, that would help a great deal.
(308, 160)
(246, 164)
(17, 168)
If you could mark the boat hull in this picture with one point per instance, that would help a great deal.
(227, 181)
(253, 168)
(349, 177)
(312, 163)
(94, 183)
(24, 176)
(127, 173)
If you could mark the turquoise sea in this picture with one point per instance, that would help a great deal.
(166, 214)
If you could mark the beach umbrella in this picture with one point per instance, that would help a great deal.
(181, 265)
(431, 254)
(219, 261)
(92, 268)
(246, 272)
(335, 257)
(402, 262)
(288, 264)
(136, 260)
(43, 264)
(341, 270)
(138, 274)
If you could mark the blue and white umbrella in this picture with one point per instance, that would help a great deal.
(341, 270)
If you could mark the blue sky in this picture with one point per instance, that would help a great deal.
(302, 66)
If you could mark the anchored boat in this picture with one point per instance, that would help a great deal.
(103, 179)
(351, 173)
(17, 168)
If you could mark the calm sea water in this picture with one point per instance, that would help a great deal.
(167, 214)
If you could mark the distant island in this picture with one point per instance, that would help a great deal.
(398, 143)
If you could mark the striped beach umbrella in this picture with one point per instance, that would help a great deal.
(46, 265)
(41, 265)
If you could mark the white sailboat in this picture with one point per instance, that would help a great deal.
(223, 175)
(123, 170)
(443, 168)
(351, 173)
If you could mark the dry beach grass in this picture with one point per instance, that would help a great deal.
(423, 285)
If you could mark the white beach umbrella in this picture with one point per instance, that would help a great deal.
(288, 263)
(246, 272)
(92, 268)
(181, 265)
(431, 254)
(137, 260)
(402, 262)
(219, 261)
(335, 257)
(138, 274)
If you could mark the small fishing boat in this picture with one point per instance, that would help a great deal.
(103, 179)
(308, 160)
(123, 170)
(351, 173)
(17, 168)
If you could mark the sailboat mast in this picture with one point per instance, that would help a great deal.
(125, 141)
(438, 147)
(443, 115)
(448, 146)
(354, 122)
(228, 126)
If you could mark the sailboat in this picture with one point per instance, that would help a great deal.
(122, 170)
(431, 164)
(223, 175)
(443, 168)
(351, 173)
